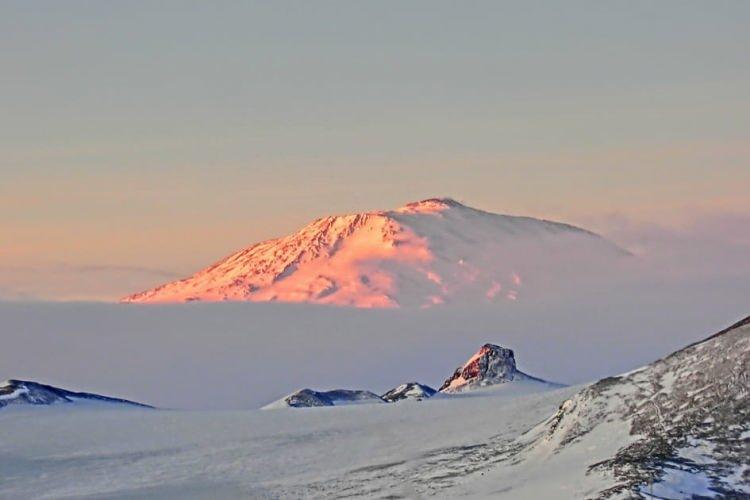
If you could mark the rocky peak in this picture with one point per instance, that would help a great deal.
(491, 365)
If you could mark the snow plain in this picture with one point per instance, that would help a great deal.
(404, 449)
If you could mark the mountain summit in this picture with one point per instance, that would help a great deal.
(425, 253)
(490, 365)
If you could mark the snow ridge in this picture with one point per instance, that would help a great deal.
(308, 398)
(682, 418)
(22, 392)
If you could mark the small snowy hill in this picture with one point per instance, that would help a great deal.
(410, 390)
(306, 398)
(21, 392)
(425, 253)
(490, 365)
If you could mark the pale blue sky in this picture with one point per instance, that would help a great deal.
(167, 134)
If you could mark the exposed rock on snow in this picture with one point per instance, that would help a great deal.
(490, 365)
(21, 392)
(676, 428)
(431, 252)
(306, 398)
(410, 390)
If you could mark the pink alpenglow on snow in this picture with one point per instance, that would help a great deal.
(490, 365)
(426, 253)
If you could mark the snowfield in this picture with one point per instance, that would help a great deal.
(400, 449)
(675, 428)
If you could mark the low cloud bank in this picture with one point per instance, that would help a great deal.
(66, 282)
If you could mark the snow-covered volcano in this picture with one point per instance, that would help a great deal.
(430, 252)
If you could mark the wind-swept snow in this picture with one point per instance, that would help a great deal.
(378, 450)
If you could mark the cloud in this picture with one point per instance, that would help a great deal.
(162, 273)
(718, 240)
(69, 268)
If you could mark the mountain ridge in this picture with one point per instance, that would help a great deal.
(677, 427)
(25, 392)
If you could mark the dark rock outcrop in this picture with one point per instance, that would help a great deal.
(491, 365)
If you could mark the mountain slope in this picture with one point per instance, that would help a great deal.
(22, 392)
(677, 428)
(425, 253)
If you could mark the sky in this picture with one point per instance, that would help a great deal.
(143, 140)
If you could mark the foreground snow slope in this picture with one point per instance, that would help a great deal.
(409, 391)
(396, 449)
(425, 253)
(675, 428)
(490, 365)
